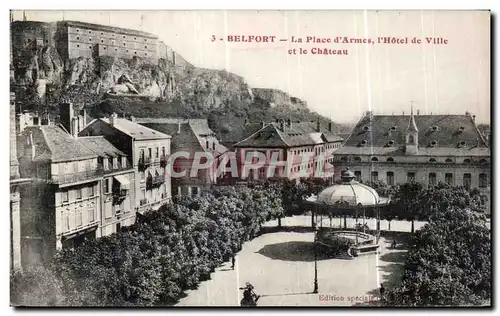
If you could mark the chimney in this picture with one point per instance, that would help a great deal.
(84, 115)
(282, 125)
(113, 119)
(289, 123)
(66, 115)
(318, 125)
(330, 127)
(178, 127)
(32, 146)
(474, 118)
(74, 127)
(262, 124)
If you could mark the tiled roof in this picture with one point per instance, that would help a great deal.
(100, 146)
(135, 130)
(447, 135)
(299, 134)
(57, 145)
(192, 130)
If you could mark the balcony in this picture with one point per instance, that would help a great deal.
(144, 163)
(119, 196)
(154, 182)
(163, 161)
(143, 202)
(78, 176)
(164, 196)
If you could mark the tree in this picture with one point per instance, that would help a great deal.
(407, 201)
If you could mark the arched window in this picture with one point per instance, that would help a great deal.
(482, 161)
(374, 159)
(390, 159)
(344, 159)
(357, 159)
(411, 139)
(448, 160)
(466, 160)
(432, 160)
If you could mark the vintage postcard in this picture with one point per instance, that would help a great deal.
(250, 158)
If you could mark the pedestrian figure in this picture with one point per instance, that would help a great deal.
(394, 244)
(233, 260)
(382, 291)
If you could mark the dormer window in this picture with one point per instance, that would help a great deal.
(448, 160)
(433, 143)
(434, 128)
(344, 159)
(374, 159)
(461, 143)
(432, 160)
(461, 129)
(390, 159)
(362, 143)
(393, 128)
(390, 143)
(366, 128)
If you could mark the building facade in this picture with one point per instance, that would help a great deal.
(63, 205)
(149, 151)
(304, 148)
(396, 149)
(193, 138)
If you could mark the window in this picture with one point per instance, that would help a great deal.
(102, 33)
(107, 187)
(64, 196)
(358, 175)
(448, 160)
(357, 159)
(91, 215)
(411, 140)
(157, 152)
(79, 194)
(102, 41)
(390, 178)
(374, 159)
(483, 161)
(91, 191)
(77, 45)
(466, 160)
(79, 218)
(213, 146)
(207, 144)
(90, 39)
(163, 151)
(194, 190)
(483, 180)
(78, 37)
(467, 180)
(374, 176)
(432, 160)
(411, 176)
(90, 32)
(344, 159)
(448, 178)
(432, 179)
(66, 221)
(118, 227)
(390, 159)
(77, 30)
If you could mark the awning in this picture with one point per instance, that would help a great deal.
(124, 183)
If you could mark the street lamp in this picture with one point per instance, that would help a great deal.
(315, 291)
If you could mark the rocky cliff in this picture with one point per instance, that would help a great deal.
(44, 79)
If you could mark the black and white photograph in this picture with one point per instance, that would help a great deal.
(250, 158)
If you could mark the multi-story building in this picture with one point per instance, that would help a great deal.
(192, 137)
(15, 183)
(149, 151)
(429, 149)
(64, 203)
(304, 147)
(73, 39)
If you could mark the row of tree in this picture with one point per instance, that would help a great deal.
(449, 262)
(152, 262)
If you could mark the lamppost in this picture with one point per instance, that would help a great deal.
(315, 261)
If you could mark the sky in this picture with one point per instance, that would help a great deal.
(447, 78)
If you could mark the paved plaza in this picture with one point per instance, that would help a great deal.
(281, 267)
